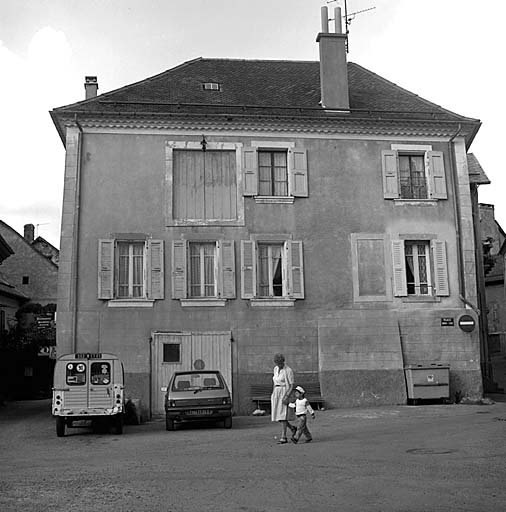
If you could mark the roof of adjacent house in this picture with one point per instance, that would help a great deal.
(5, 249)
(9, 290)
(270, 85)
(476, 173)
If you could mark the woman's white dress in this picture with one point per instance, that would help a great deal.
(282, 378)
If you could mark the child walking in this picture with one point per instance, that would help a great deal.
(302, 409)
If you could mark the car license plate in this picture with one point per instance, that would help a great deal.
(199, 412)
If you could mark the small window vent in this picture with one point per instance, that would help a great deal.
(211, 86)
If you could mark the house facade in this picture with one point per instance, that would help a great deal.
(225, 210)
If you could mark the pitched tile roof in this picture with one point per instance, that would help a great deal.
(266, 84)
(476, 173)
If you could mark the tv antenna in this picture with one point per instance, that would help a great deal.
(348, 18)
(37, 227)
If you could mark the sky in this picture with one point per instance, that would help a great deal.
(449, 52)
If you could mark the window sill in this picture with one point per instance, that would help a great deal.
(130, 303)
(274, 199)
(415, 202)
(189, 303)
(421, 298)
(272, 303)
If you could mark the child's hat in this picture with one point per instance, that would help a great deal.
(300, 389)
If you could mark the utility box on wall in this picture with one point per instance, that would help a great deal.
(429, 381)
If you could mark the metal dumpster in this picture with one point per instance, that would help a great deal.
(427, 381)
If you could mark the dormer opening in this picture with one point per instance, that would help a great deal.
(211, 86)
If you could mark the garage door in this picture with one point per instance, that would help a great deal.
(188, 351)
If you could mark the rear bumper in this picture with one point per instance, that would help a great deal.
(87, 413)
(198, 413)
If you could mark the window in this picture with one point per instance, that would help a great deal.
(100, 373)
(75, 374)
(203, 271)
(171, 352)
(420, 268)
(274, 172)
(413, 172)
(203, 183)
(25, 280)
(130, 271)
(202, 275)
(272, 269)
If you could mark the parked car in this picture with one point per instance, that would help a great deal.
(88, 387)
(197, 396)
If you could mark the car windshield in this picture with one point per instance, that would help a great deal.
(197, 381)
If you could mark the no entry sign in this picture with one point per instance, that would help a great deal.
(467, 323)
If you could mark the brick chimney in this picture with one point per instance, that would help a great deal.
(90, 86)
(29, 233)
(333, 65)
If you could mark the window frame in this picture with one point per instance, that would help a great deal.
(202, 264)
(272, 171)
(170, 146)
(130, 263)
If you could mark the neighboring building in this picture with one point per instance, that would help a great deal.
(225, 210)
(11, 299)
(493, 238)
(32, 273)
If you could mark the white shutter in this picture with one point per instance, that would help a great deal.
(105, 269)
(250, 171)
(390, 174)
(399, 270)
(296, 269)
(155, 273)
(440, 268)
(436, 172)
(179, 269)
(298, 172)
(227, 265)
(248, 269)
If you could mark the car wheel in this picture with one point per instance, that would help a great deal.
(169, 423)
(227, 422)
(60, 426)
(118, 424)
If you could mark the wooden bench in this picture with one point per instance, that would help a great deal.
(261, 393)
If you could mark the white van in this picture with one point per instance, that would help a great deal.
(88, 386)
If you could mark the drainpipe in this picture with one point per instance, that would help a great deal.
(75, 256)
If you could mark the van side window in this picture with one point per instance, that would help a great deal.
(76, 374)
(100, 373)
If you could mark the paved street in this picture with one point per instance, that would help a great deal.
(425, 458)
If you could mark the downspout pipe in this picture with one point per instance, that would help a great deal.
(75, 244)
(458, 226)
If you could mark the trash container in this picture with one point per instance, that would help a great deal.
(428, 381)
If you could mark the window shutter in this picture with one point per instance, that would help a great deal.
(105, 269)
(436, 169)
(179, 269)
(296, 270)
(155, 261)
(440, 268)
(248, 269)
(227, 269)
(298, 172)
(390, 174)
(250, 171)
(399, 262)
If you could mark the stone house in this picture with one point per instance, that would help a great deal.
(225, 210)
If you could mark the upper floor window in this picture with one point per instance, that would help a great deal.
(413, 171)
(130, 270)
(274, 171)
(272, 268)
(203, 271)
(203, 182)
(420, 268)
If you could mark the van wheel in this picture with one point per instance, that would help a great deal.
(227, 423)
(60, 426)
(169, 423)
(118, 424)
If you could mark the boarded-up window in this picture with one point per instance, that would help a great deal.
(204, 185)
(371, 267)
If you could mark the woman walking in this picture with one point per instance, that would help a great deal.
(283, 384)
